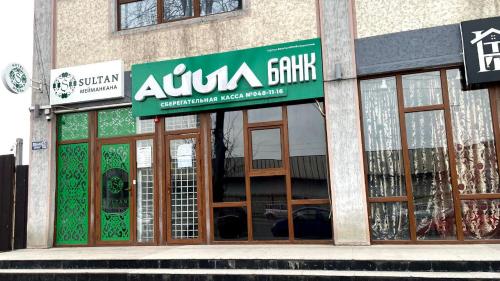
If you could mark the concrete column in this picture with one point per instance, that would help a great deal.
(41, 188)
(345, 151)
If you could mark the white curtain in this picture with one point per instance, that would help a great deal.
(389, 221)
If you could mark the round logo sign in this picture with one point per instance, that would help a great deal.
(15, 78)
(64, 85)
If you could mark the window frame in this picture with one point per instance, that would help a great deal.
(251, 173)
(408, 198)
(94, 143)
(160, 19)
(203, 132)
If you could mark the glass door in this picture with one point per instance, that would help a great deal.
(184, 201)
(145, 192)
(115, 190)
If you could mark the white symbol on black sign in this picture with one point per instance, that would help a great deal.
(488, 49)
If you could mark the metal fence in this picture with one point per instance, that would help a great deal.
(13, 203)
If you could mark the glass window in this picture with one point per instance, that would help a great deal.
(230, 223)
(145, 191)
(145, 126)
(307, 145)
(430, 138)
(210, 7)
(265, 114)
(72, 126)
(480, 219)
(473, 137)
(269, 208)
(422, 89)
(431, 181)
(389, 221)
(183, 189)
(228, 159)
(115, 122)
(269, 198)
(177, 9)
(266, 149)
(382, 138)
(182, 122)
(119, 122)
(137, 14)
(312, 222)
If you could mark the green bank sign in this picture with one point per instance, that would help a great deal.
(264, 75)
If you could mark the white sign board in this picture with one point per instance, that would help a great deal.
(89, 82)
(185, 156)
(144, 157)
(15, 78)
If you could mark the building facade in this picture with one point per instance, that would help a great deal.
(251, 121)
(430, 147)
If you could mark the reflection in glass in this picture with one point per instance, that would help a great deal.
(307, 145)
(184, 122)
(184, 189)
(209, 7)
(177, 9)
(145, 191)
(266, 149)
(430, 171)
(473, 137)
(422, 89)
(137, 14)
(389, 221)
(269, 208)
(265, 114)
(312, 222)
(382, 138)
(480, 219)
(230, 223)
(228, 165)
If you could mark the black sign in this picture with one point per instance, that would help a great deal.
(38, 145)
(481, 44)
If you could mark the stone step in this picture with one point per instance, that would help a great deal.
(232, 275)
(251, 264)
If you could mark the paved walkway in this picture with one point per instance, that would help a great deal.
(490, 252)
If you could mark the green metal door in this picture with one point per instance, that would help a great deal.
(115, 192)
(72, 194)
